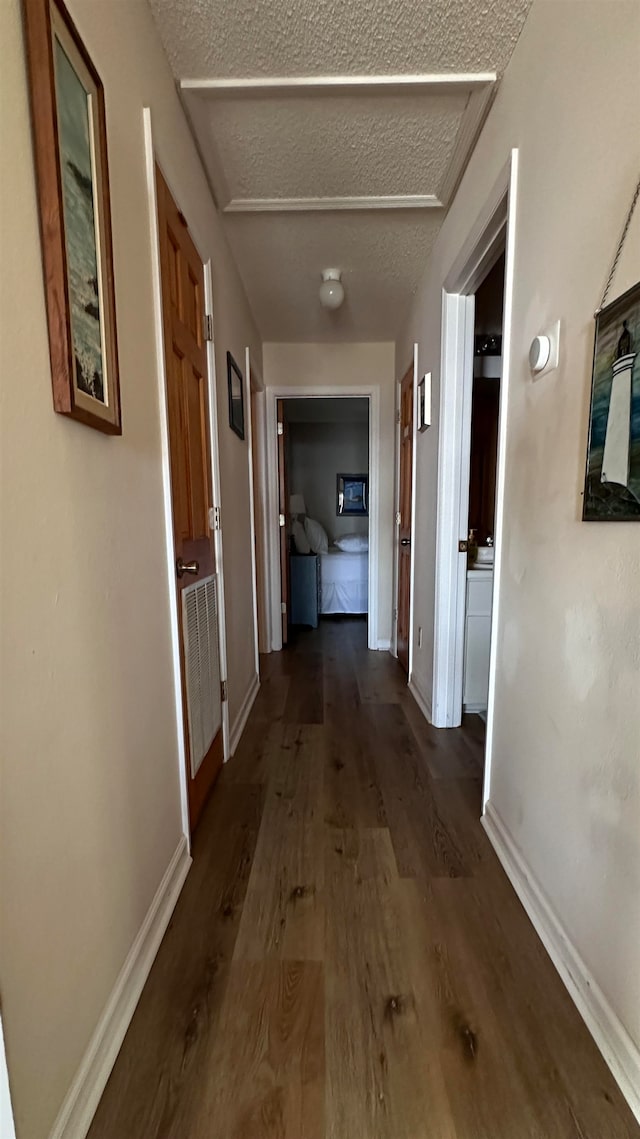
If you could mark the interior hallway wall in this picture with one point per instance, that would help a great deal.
(370, 365)
(91, 812)
(565, 776)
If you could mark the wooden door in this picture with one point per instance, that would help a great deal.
(406, 499)
(283, 497)
(189, 442)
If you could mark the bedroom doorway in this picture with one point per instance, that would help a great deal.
(323, 491)
(323, 469)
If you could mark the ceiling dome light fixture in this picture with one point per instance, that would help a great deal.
(331, 289)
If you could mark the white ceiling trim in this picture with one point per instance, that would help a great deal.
(427, 84)
(478, 87)
(473, 120)
(311, 205)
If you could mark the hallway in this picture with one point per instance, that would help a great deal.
(347, 958)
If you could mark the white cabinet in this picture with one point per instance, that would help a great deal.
(477, 639)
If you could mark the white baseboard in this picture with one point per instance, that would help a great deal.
(619, 1050)
(83, 1097)
(243, 714)
(423, 704)
(384, 646)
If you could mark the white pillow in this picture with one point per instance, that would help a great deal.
(300, 540)
(352, 543)
(317, 536)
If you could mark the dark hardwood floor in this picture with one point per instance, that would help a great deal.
(347, 959)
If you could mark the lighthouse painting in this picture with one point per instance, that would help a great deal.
(612, 485)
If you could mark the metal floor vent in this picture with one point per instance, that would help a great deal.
(202, 666)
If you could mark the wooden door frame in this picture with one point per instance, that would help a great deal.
(249, 378)
(332, 391)
(153, 157)
(259, 455)
(396, 523)
(493, 231)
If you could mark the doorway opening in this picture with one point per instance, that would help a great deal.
(323, 483)
(279, 512)
(489, 239)
(483, 459)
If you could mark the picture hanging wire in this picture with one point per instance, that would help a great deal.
(623, 238)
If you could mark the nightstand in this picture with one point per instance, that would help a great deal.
(305, 589)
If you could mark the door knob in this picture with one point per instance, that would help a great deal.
(405, 541)
(186, 567)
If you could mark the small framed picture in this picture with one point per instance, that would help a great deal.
(352, 494)
(424, 402)
(235, 384)
(70, 145)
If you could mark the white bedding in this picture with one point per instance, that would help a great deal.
(344, 582)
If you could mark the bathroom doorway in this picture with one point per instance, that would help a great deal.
(483, 458)
(489, 238)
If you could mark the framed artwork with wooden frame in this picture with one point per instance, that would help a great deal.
(70, 147)
(235, 384)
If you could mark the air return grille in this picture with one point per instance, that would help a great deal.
(202, 666)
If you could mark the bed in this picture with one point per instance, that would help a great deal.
(344, 582)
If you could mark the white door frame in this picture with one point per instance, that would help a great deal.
(414, 469)
(332, 391)
(493, 231)
(153, 155)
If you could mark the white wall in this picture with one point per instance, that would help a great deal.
(566, 773)
(315, 366)
(318, 452)
(90, 797)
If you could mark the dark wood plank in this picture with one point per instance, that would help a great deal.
(266, 1068)
(284, 907)
(449, 753)
(422, 842)
(384, 1078)
(514, 980)
(305, 702)
(352, 792)
(348, 958)
(163, 1060)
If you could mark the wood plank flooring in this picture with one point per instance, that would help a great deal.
(347, 959)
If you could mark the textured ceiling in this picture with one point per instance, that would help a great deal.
(334, 37)
(382, 256)
(260, 148)
(326, 147)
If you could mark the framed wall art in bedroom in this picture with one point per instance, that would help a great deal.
(352, 495)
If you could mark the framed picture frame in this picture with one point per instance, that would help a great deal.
(70, 150)
(424, 402)
(235, 385)
(612, 478)
(352, 495)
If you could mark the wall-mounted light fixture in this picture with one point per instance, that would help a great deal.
(545, 351)
(331, 289)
